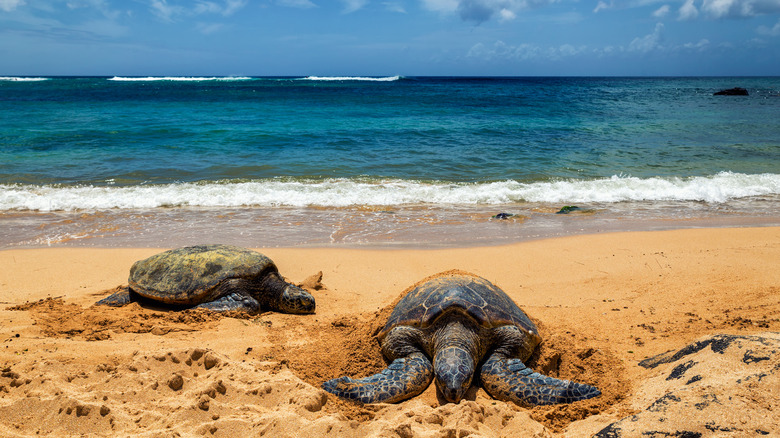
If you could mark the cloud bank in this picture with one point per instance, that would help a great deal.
(723, 9)
(479, 11)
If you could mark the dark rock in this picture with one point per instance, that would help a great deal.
(567, 209)
(732, 390)
(680, 370)
(737, 91)
(503, 216)
(717, 343)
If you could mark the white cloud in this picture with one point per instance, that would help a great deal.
(567, 50)
(501, 50)
(739, 8)
(506, 15)
(602, 5)
(691, 9)
(444, 6)
(163, 11)
(483, 10)
(101, 6)
(661, 12)
(226, 8)
(522, 52)
(687, 11)
(701, 45)
(207, 8)
(728, 8)
(771, 31)
(627, 4)
(232, 6)
(209, 28)
(648, 42)
(170, 12)
(10, 5)
(353, 5)
(300, 4)
(395, 7)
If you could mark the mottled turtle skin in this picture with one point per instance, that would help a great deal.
(448, 328)
(215, 277)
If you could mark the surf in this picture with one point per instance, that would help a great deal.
(353, 78)
(178, 78)
(349, 192)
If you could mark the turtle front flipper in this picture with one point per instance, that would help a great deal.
(509, 379)
(118, 299)
(403, 378)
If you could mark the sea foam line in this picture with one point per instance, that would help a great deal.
(352, 78)
(179, 78)
(719, 188)
(22, 79)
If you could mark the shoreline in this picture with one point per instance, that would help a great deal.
(603, 303)
(410, 227)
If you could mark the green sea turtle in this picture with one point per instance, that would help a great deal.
(215, 277)
(448, 327)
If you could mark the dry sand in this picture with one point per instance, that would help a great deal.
(603, 304)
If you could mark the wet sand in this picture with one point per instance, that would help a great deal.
(603, 303)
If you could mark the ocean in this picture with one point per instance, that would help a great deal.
(379, 161)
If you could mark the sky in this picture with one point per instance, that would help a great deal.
(390, 37)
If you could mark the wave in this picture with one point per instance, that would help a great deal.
(352, 78)
(719, 188)
(179, 78)
(22, 79)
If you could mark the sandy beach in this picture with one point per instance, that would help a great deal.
(603, 303)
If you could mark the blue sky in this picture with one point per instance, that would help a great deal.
(389, 37)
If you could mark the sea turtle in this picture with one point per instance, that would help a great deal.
(215, 277)
(448, 327)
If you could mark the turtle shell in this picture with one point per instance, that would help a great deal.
(467, 294)
(190, 275)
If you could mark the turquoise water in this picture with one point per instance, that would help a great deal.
(181, 152)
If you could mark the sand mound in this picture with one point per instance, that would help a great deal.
(160, 388)
(57, 318)
(199, 390)
(348, 347)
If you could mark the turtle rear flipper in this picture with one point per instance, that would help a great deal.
(403, 378)
(510, 379)
(232, 301)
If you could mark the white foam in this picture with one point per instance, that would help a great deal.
(179, 78)
(352, 78)
(719, 188)
(22, 79)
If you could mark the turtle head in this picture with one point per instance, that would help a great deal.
(296, 300)
(453, 367)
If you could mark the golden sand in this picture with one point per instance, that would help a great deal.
(603, 303)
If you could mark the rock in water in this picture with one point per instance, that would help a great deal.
(737, 91)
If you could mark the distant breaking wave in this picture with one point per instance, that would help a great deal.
(352, 78)
(22, 79)
(722, 187)
(180, 78)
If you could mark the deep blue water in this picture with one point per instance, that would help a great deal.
(94, 130)
(122, 144)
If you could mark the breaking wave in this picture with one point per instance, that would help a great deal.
(179, 78)
(352, 78)
(719, 188)
(22, 79)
